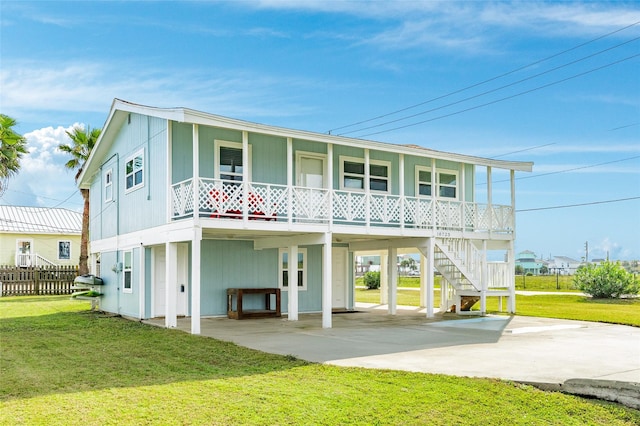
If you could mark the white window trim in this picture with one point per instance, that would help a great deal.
(417, 188)
(125, 270)
(70, 247)
(435, 182)
(217, 143)
(139, 153)
(387, 164)
(457, 185)
(305, 261)
(108, 176)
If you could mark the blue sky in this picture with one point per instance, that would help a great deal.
(556, 83)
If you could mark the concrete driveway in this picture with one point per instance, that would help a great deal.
(518, 348)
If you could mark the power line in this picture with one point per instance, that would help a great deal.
(505, 98)
(488, 80)
(564, 171)
(523, 150)
(515, 83)
(575, 168)
(579, 205)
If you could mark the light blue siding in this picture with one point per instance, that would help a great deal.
(182, 152)
(228, 264)
(110, 289)
(110, 218)
(269, 159)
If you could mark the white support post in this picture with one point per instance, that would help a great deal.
(484, 279)
(401, 187)
(246, 181)
(196, 173)
(143, 283)
(196, 244)
(511, 307)
(171, 285)
(293, 283)
(430, 276)
(393, 280)
(384, 278)
(329, 174)
(511, 303)
(290, 181)
(367, 189)
(326, 281)
(434, 195)
(423, 281)
(490, 198)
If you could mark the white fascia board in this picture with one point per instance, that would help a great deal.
(377, 245)
(117, 115)
(185, 115)
(278, 242)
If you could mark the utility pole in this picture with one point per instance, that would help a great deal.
(586, 250)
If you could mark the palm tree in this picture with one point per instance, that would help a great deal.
(11, 150)
(80, 149)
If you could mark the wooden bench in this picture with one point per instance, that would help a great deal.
(240, 313)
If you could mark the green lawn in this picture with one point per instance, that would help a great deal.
(64, 365)
(624, 311)
(537, 283)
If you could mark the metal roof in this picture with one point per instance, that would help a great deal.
(39, 220)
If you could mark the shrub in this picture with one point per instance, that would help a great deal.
(609, 280)
(372, 280)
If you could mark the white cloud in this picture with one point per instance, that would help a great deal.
(469, 25)
(43, 179)
(32, 85)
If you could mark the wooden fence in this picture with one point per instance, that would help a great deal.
(29, 281)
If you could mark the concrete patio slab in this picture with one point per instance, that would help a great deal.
(524, 349)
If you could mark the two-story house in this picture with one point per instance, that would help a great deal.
(186, 204)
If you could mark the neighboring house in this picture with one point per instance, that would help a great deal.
(186, 204)
(39, 236)
(530, 265)
(563, 265)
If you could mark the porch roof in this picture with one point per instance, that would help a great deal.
(120, 109)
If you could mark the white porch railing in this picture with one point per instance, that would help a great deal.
(220, 199)
(25, 260)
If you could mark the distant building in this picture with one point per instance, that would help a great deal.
(527, 260)
(39, 236)
(563, 265)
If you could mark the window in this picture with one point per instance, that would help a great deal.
(229, 163)
(134, 168)
(108, 185)
(284, 269)
(424, 182)
(353, 176)
(447, 183)
(64, 250)
(127, 285)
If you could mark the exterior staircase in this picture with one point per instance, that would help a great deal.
(460, 263)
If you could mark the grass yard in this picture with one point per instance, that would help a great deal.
(63, 364)
(623, 311)
(535, 283)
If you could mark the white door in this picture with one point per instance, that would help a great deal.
(310, 174)
(339, 277)
(23, 253)
(160, 281)
(310, 170)
(182, 308)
